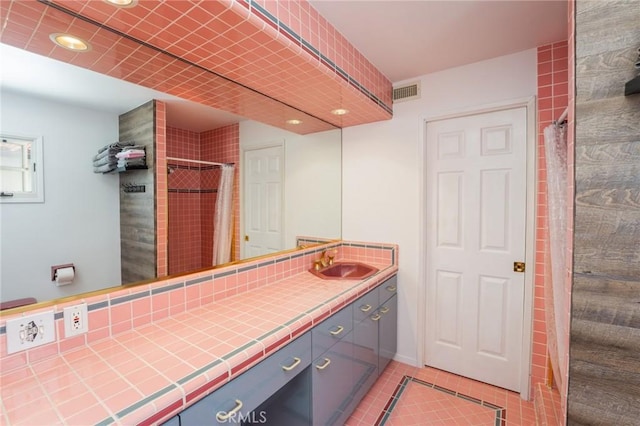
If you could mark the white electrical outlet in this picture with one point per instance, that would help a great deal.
(76, 320)
(30, 331)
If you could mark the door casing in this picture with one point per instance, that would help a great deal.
(531, 213)
(243, 150)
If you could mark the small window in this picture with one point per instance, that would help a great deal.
(20, 170)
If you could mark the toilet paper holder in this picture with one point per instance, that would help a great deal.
(54, 270)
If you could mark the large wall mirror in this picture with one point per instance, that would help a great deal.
(75, 112)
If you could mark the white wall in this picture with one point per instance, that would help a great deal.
(312, 190)
(383, 168)
(79, 221)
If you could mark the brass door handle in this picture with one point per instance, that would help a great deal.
(518, 266)
(246, 238)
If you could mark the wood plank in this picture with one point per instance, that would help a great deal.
(137, 210)
(609, 185)
(612, 397)
(607, 345)
(581, 413)
(624, 153)
(605, 75)
(602, 26)
(600, 299)
(604, 366)
(604, 384)
(594, 127)
(606, 241)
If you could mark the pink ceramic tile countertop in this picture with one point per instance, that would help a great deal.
(146, 375)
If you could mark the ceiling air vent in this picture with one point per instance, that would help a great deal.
(406, 92)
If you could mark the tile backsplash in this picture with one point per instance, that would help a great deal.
(111, 313)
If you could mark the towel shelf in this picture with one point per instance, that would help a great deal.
(632, 87)
(126, 169)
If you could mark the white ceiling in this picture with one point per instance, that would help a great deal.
(403, 39)
(406, 39)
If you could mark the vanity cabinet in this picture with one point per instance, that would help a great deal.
(240, 400)
(317, 379)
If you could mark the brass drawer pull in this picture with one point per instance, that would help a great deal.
(338, 331)
(365, 308)
(296, 361)
(324, 365)
(376, 317)
(222, 417)
(384, 310)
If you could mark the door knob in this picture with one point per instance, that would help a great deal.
(518, 266)
(246, 238)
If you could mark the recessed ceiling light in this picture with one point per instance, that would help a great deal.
(70, 42)
(122, 3)
(294, 121)
(340, 111)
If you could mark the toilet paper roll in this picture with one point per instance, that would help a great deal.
(64, 276)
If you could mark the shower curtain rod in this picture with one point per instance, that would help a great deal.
(210, 163)
(563, 116)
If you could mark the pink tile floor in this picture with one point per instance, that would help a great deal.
(405, 395)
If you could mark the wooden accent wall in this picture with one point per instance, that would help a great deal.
(604, 368)
(137, 210)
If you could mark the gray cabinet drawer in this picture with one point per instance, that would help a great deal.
(387, 289)
(331, 330)
(365, 306)
(251, 388)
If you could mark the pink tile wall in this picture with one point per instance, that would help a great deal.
(270, 49)
(162, 201)
(554, 77)
(191, 215)
(553, 87)
(185, 222)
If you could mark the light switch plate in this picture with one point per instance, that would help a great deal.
(30, 331)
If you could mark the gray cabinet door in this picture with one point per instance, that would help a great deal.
(332, 384)
(365, 354)
(388, 328)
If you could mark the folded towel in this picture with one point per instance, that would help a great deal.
(132, 162)
(117, 145)
(104, 169)
(134, 147)
(134, 153)
(107, 159)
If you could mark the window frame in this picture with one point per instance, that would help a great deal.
(36, 167)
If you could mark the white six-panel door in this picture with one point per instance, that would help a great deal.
(476, 216)
(263, 183)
